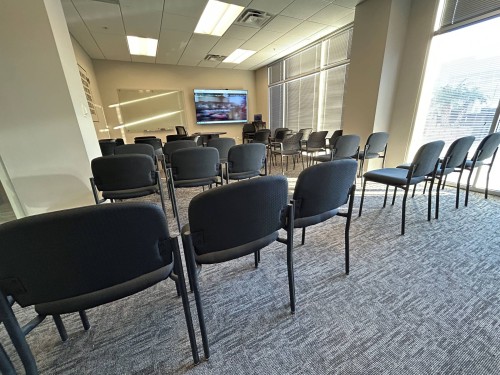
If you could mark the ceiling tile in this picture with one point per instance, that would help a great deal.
(171, 46)
(303, 9)
(282, 24)
(306, 29)
(330, 14)
(100, 17)
(199, 46)
(273, 7)
(189, 61)
(142, 18)
(226, 66)
(261, 39)
(226, 46)
(188, 8)
(345, 20)
(179, 23)
(240, 32)
(113, 46)
(347, 3)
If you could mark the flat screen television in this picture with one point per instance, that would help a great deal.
(220, 106)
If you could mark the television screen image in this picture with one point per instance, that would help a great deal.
(220, 106)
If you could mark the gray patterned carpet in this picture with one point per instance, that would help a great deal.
(424, 303)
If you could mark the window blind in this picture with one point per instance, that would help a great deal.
(455, 11)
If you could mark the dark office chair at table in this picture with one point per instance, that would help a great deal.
(375, 148)
(78, 259)
(119, 142)
(248, 132)
(485, 155)
(144, 137)
(315, 144)
(222, 145)
(244, 218)
(289, 146)
(424, 163)
(121, 177)
(245, 161)
(341, 147)
(107, 147)
(192, 167)
(319, 193)
(175, 137)
(155, 142)
(181, 130)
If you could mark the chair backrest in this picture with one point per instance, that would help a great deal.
(306, 132)
(487, 147)
(107, 147)
(174, 137)
(249, 128)
(426, 158)
(292, 143)
(246, 157)
(194, 163)
(121, 172)
(457, 152)
(317, 139)
(346, 146)
(323, 187)
(281, 134)
(170, 147)
(144, 137)
(119, 141)
(68, 253)
(222, 145)
(237, 214)
(181, 130)
(137, 148)
(155, 142)
(336, 134)
(262, 136)
(376, 142)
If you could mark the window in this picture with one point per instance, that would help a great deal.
(461, 90)
(306, 89)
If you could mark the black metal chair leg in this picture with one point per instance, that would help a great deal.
(289, 258)
(17, 336)
(487, 182)
(256, 259)
(362, 198)
(185, 301)
(394, 196)
(403, 216)
(303, 235)
(6, 366)
(84, 319)
(468, 187)
(457, 198)
(60, 327)
(347, 228)
(414, 188)
(385, 196)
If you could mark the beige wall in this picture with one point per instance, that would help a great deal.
(114, 75)
(262, 93)
(47, 137)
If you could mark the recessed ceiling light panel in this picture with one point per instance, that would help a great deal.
(142, 46)
(239, 56)
(217, 17)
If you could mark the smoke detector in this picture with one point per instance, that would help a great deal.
(217, 58)
(254, 18)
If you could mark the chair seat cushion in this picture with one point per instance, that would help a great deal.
(285, 152)
(243, 175)
(106, 295)
(130, 193)
(361, 155)
(313, 149)
(196, 182)
(438, 171)
(391, 176)
(303, 222)
(323, 158)
(468, 164)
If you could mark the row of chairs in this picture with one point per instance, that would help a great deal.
(120, 249)
(428, 167)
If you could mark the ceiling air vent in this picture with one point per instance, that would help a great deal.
(218, 58)
(254, 18)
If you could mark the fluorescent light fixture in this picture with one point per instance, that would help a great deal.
(142, 46)
(238, 56)
(217, 17)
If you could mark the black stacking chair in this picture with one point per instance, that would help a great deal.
(136, 148)
(315, 144)
(453, 161)
(485, 155)
(222, 145)
(119, 142)
(289, 146)
(175, 137)
(244, 218)
(306, 132)
(280, 134)
(245, 161)
(144, 137)
(192, 167)
(319, 193)
(170, 147)
(107, 147)
(262, 136)
(341, 147)
(424, 163)
(155, 142)
(120, 177)
(78, 259)
(181, 130)
(375, 148)
(248, 132)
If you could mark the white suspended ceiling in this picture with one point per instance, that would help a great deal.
(101, 26)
